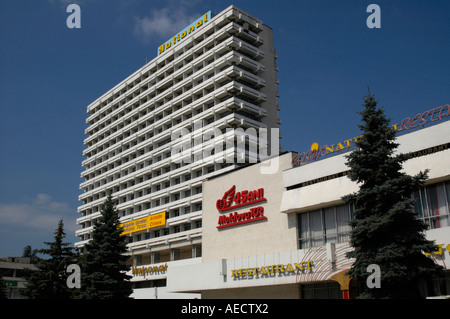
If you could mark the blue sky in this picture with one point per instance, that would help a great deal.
(327, 56)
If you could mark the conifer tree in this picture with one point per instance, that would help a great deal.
(385, 230)
(29, 252)
(103, 266)
(3, 289)
(49, 280)
(3, 292)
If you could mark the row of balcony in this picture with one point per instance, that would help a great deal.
(131, 110)
(137, 142)
(157, 73)
(141, 155)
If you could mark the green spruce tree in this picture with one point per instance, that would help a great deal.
(103, 268)
(385, 230)
(49, 280)
(3, 289)
(30, 253)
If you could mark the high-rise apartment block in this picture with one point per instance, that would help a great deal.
(219, 73)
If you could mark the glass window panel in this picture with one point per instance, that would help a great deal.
(447, 193)
(432, 205)
(307, 291)
(442, 204)
(342, 218)
(315, 224)
(304, 230)
(446, 220)
(436, 204)
(320, 291)
(323, 290)
(330, 224)
(351, 208)
(418, 204)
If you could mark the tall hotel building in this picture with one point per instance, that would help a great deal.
(218, 73)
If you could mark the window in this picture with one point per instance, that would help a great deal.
(149, 283)
(325, 290)
(326, 225)
(432, 204)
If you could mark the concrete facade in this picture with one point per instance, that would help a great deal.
(276, 257)
(158, 134)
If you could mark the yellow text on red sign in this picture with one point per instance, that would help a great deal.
(144, 223)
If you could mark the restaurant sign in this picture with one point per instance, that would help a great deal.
(255, 272)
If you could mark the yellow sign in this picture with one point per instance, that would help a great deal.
(140, 224)
(150, 270)
(440, 250)
(186, 31)
(274, 269)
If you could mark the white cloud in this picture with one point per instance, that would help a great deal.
(162, 23)
(63, 3)
(42, 214)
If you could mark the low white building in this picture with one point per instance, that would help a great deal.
(285, 235)
(11, 275)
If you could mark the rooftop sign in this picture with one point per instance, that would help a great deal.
(439, 113)
(183, 33)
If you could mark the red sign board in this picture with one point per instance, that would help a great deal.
(233, 200)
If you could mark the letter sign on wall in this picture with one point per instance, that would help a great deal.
(233, 200)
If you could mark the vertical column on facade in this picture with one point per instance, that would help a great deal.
(174, 254)
(155, 258)
(344, 282)
(196, 251)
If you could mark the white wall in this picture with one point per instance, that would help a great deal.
(277, 232)
(274, 241)
(216, 275)
(161, 293)
(330, 192)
